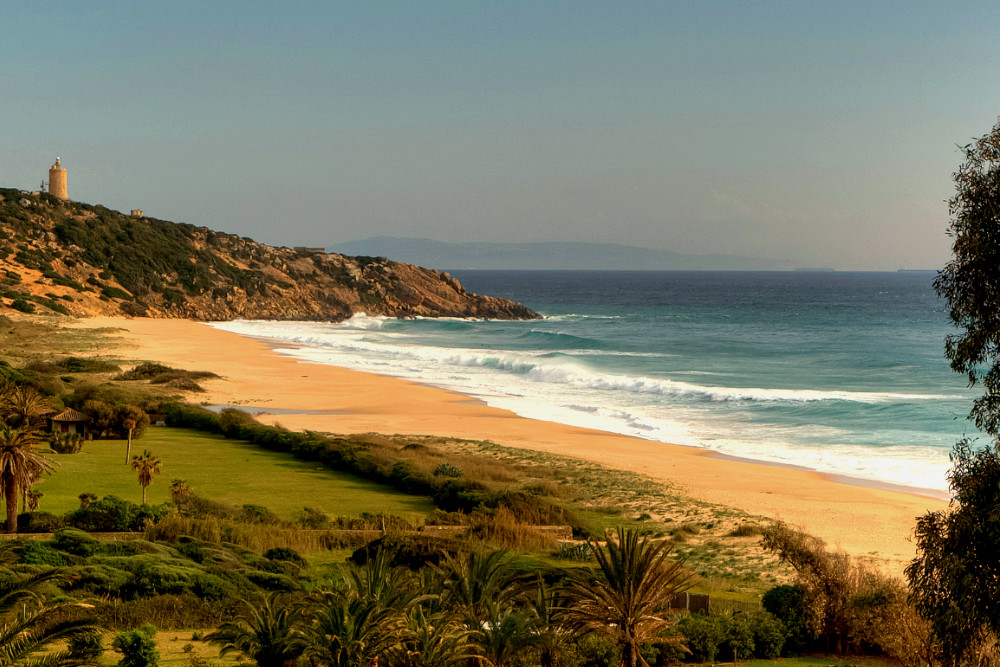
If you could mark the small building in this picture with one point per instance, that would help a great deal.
(69, 421)
(137, 213)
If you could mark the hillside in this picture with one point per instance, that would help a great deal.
(79, 259)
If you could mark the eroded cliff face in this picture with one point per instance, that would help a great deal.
(86, 260)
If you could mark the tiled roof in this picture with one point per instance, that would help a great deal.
(70, 415)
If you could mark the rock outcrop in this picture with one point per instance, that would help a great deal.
(84, 260)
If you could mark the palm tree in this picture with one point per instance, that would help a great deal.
(20, 466)
(480, 584)
(22, 405)
(129, 425)
(431, 640)
(29, 627)
(146, 465)
(632, 599)
(348, 630)
(269, 633)
(552, 636)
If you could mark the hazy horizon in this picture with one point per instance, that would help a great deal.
(823, 135)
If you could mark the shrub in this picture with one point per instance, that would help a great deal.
(310, 517)
(285, 554)
(38, 522)
(137, 647)
(87, 647)
(447, 470)
(789, 604)
(598, 651)
(409, 551)
(768, 635)
(33, 552)
(703, 636)
(75, 541)
(66, 443)
(23, 306)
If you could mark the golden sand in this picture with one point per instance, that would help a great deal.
(861, 520)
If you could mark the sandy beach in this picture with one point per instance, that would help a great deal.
(862, 520)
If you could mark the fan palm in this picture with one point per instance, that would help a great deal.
(29, 627)
(269, 634)
(20, 467)
(146, 465)
(631, 601)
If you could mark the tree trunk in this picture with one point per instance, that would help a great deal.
(128, 450)
(144, 495)
(10, 498)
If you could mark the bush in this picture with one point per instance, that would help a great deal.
(285, 554)
(598, 651)
(137, 647)
(23, 306)
(87, 647)
(112, 514)
(409, 551)
(703, 635)
(447, 470)
(768, 635)
(66, 443)
(38, 522)
(790, 606)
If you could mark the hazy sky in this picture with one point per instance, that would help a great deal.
(821, 133)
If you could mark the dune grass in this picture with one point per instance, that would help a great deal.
(224, 470)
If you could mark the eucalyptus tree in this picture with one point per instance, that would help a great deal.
(955, 578)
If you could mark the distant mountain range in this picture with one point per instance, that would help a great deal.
(554, 255)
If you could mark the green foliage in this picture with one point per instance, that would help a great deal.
(411, 551)
(703, 635)
(66, 443)
(955, 578)
(32, 552)
(447, 470)
(598, 651)
(113, 514)
(352, 456)
(285, 554)
(790, 606)
(87, 647)
(138, 647)
(23, 306)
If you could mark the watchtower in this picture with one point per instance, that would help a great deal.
(57, 180)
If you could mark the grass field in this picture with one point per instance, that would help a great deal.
(223, 470)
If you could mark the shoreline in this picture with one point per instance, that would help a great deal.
(276, 345)
(866, 520)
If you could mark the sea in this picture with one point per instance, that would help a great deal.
(838, 372)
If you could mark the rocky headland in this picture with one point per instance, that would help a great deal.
(85, 260)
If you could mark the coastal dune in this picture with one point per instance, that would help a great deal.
(863, 520)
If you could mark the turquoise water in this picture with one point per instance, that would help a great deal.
(838, 372)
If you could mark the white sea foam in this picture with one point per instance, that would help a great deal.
(563, 389)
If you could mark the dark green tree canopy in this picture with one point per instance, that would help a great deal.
(971, 281)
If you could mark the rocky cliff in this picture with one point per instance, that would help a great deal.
(79, 259)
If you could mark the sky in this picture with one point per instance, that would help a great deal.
(820, 134)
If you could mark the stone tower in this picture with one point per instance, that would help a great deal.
(57, 180)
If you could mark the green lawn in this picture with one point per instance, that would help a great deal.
(224, 470)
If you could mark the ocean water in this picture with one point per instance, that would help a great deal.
(842, 373)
